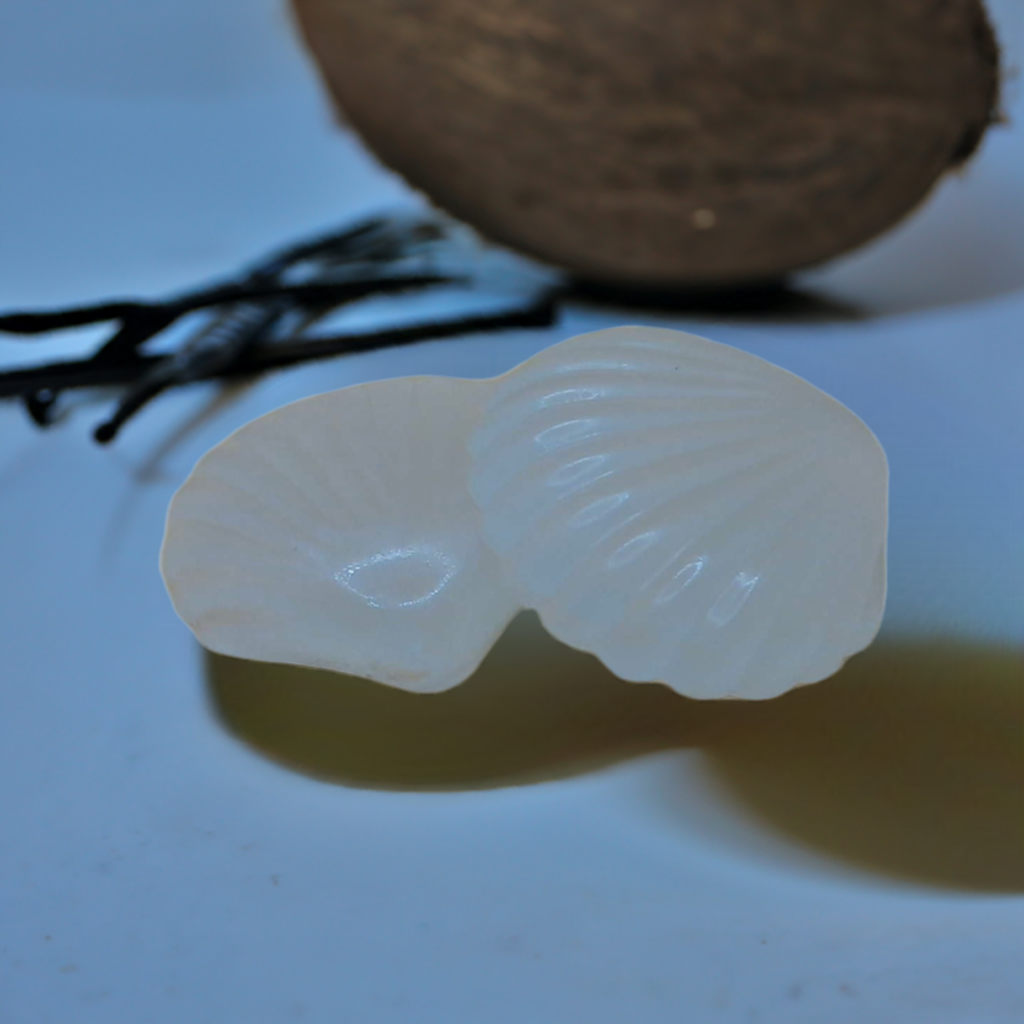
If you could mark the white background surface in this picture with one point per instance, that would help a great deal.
(154, 869)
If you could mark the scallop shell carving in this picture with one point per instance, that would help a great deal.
(684, 510)
(337, 532)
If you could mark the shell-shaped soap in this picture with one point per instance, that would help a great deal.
(688, 512)
(337, 532)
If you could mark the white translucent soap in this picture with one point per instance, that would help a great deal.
(686, 511)
(689, 513)
(337, 532)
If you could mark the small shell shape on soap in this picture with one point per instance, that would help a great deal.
(337, 532)
(686, 511)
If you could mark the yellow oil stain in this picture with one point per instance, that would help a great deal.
(909, 762)
(534, 710)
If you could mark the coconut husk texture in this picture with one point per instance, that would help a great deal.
(679, 143)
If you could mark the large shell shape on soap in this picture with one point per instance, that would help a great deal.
(686, 511)
(337, 532)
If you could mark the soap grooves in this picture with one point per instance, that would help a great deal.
(731, 481)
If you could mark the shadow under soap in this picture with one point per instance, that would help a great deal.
(909, 762)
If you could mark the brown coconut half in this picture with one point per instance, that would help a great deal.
(693, 143)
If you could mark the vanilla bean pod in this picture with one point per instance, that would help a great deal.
(215, 347)
(142, 321)
(242, 336)
(85, 373)
(156, 316)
